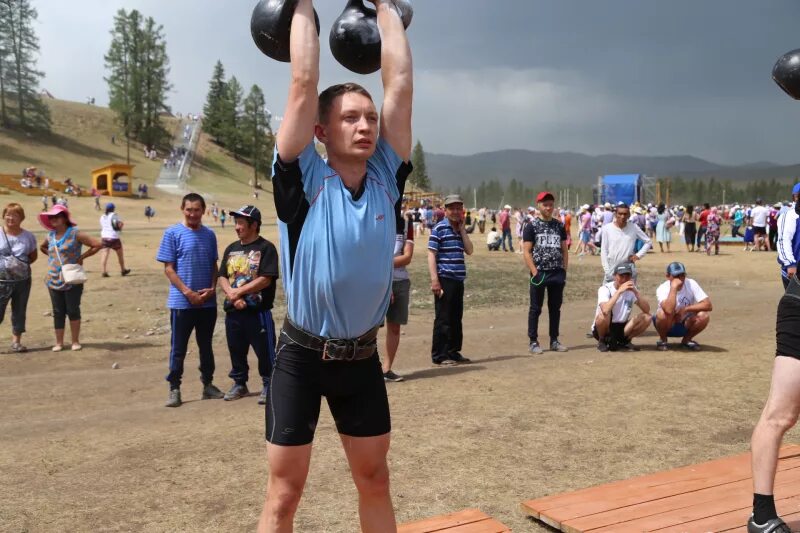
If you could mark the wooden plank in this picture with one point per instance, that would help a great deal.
(739, 502)
(721, 467)
(734, 519)
(453, 521)
(698, 504)
(705, 496)
(614, 500)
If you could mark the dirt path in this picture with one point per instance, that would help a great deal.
(87, 448)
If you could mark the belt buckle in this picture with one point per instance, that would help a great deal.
(339, 350)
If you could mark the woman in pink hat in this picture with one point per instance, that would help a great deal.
(63, 246)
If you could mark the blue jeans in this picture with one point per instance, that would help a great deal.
(507, 233)
(183, 321)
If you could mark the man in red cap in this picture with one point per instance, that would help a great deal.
(546, 255)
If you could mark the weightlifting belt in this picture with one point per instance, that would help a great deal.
(362, 347)
(793, 289)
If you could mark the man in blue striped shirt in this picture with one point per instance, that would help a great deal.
(446, 247)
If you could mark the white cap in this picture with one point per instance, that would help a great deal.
(585, 207)
(506, 206)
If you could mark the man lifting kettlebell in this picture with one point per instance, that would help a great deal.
(337, 275)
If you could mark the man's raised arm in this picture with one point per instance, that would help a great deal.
(398, 80)
(297, 128)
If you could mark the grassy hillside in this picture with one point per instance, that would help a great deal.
(81, 141)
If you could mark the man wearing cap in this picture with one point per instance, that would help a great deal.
(789, 238)
(619, 241)
(111, 240)
(547, 257)
(447, 245)
(247, 276)
(505, 228)
(614, 324)
(683, 309)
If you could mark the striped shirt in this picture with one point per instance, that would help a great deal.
(449, 249)
(194, 253)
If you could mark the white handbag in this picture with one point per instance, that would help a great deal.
(73, 273)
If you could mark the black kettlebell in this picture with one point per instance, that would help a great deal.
(786, 73)
(271, 25)
(355, 40)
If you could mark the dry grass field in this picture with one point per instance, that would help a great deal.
(84, 447)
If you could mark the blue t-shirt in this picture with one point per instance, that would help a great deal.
(194, 253)
(338, 283)
(449, 248)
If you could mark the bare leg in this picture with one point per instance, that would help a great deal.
(104, 259)
(75, 330)
(60, 337)
(392, 342)
(695, 325)
(602, 325)
(637, 326)
(121, 258)
(367, 458)
(288, 470)
(664, 323)
(779, 415)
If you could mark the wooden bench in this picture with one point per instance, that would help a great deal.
(712, 496)
(466, 521)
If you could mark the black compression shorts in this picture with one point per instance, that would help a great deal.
(787, 329)
(355, 390)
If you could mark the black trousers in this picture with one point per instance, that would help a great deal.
(555, 296)
(66, 304)
(184, 321)
(244, 329)
(701, 235)
(447, 332)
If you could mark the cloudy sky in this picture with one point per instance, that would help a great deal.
(643, 77)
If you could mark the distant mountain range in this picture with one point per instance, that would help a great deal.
(579, 169)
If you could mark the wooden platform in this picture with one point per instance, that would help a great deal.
(467, 521)
(713, 496)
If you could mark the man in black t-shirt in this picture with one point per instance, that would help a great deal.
(544, 243)
(247, 276)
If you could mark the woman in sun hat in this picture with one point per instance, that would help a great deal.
(17, 252)
(63, 246)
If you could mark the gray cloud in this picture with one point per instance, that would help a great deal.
(617, 76)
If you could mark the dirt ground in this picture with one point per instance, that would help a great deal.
(84, 447)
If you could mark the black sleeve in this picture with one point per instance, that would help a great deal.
(401, 176)
(287, 186)
(269, 260)
(290, 202)
(563, 231)
(529, 234)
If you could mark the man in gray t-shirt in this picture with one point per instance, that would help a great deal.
(397, 313)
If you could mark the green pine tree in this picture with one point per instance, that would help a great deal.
(137, 84)
(213, 108)
(230, 133)
(19, 79)
(4, 69)
(419, 176)
(257, 141)
(154, 66)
